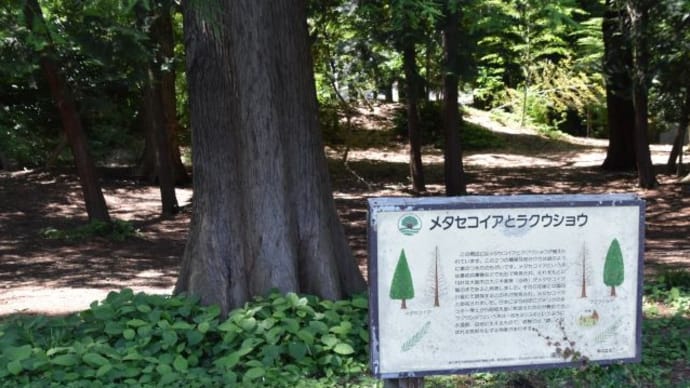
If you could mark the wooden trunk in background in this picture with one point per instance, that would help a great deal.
(638, 15)
(263, 210)
(620, 155)
(413, 129)
(156, 122)
(679, 140)
(71, 122)
(453, 168)
(162, 37)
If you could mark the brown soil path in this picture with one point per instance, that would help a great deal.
(55, 277)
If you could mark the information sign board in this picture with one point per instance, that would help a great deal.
(465, 284)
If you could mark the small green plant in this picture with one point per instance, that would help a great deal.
(117, 230)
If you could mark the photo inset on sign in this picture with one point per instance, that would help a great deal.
(482, 283)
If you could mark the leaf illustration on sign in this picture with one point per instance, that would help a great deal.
(414, 340)
(613, 267)
(401, 286)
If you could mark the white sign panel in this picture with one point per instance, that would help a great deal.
(481, 283)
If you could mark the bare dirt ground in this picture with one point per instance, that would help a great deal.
(39, 275)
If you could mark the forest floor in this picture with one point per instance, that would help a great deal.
(53, 276)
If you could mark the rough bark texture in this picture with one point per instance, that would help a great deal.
(263, 213)
(71, 123)
(413, 129)
(453, 168)
(620, 155)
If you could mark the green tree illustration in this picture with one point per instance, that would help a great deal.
(613, 267)
(401, 286)
(409, 222)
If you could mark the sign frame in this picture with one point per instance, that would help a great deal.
(377, 206)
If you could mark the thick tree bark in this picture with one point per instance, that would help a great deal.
(620, 155)
(71, 122)
(263, 212)
(453, 168)
(413, 129)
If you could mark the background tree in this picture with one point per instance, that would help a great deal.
(263, 212)
(402, 287)
(71, 120)
(614, 267)
(454, 173)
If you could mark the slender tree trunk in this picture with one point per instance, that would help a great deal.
(639, 14)
(163, 34)
(71, 122)
(620, 155)
(156, 121)
(263, 212)
(681, 135)
(413, 128)
(453, 168)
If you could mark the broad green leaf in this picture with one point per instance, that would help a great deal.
(15, 367)
(114, 327)
(228, 361)
(229, 326)
(360, 302)
(194, 337)
(65, 360)
(204, 326)
(247, 324)
(95, 359)
(297, 350)
(169, 338)
(329, 340)
(18, 353)
(128, 334)
(163, 369)
(180, 364)
(181, 325)
(343, 348)
(144, 308)
(103, 370)
(254, 373)
(136, 323)
(319, 326)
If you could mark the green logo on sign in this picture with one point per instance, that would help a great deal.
(409, 224)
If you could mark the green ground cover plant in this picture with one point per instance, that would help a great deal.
(279, 340)
(117, 230)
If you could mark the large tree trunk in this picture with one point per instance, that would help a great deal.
(639, 14)
(71, 122)
(263, 212)
(413, 129)
(620, 155)
(453, 169)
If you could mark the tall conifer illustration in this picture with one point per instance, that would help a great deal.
(401, 286)
(613, 267)
(436, 282)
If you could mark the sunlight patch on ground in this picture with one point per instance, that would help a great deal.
(56, 301)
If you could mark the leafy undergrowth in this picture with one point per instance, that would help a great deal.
(149, 340)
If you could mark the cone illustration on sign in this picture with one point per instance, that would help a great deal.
(401, 286)
(613, 267)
